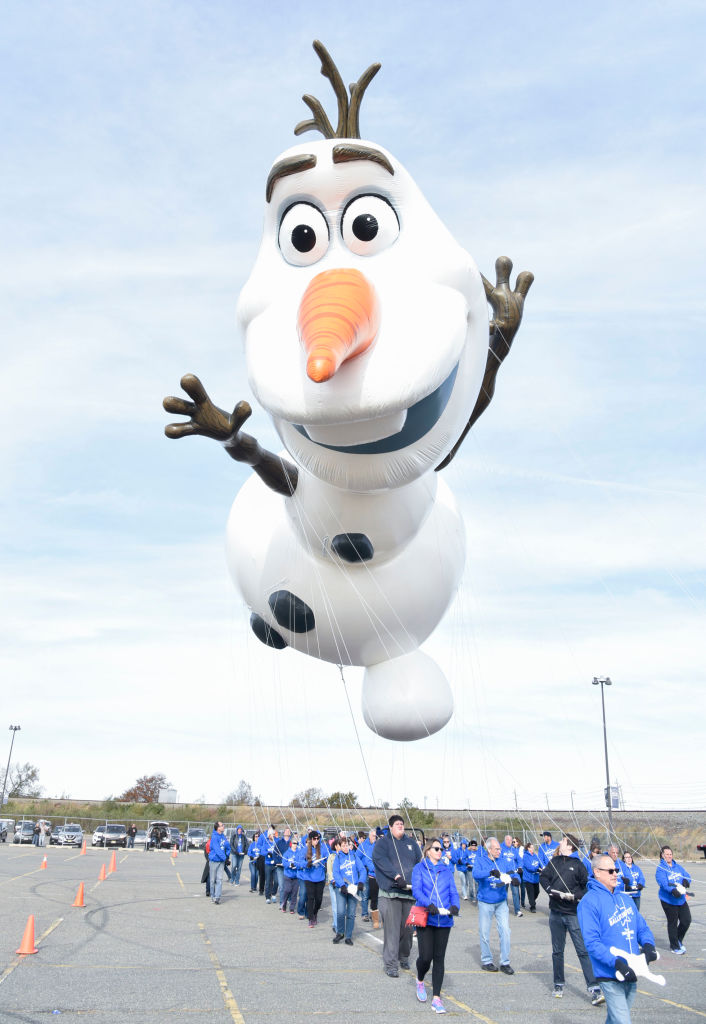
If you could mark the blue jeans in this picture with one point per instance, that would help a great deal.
(486, 911)
(365, 897)
(237, 862)
(253, 875)
(515, 890)
(472, 886)
(301, 902)
(333, 893)
(619, 997)
(215, 870)
(345, 913)
(279, 870)
(463, 887)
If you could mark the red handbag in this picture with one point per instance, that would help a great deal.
(417, 917)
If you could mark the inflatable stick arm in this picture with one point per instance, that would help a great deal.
(639, 965)
(207, 420)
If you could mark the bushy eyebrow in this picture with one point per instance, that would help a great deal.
(343, 153)
(290, 165)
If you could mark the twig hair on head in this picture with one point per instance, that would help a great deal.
(348, 126)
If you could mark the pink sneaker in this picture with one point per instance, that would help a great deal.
(421, 992)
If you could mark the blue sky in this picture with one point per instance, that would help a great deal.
(141, 136)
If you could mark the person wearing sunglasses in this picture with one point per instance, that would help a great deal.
(565, 879)
(609, 920)
(433, 887)
(673, 883)
(315, 876)
(633, 878)
(492, 903)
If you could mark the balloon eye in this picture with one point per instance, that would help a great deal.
(303, 234)
(369, 225)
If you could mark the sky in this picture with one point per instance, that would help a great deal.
(572, 140)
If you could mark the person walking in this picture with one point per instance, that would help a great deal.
(220, 850)
(565, 879)
(349, 879)
(470, 880)
(633, 878)
(314, 876)
(238, 850)
(395, 856)
(530, 868)
(546, 848)
(462, 867)
(272, 856)
(492, 903)
(609, 920)
(433, 887)
(509, 864)
(206, 873)
(290, 887)
(370, 892)
(332, 848)
(131, 833)
(253, 854)
(673, 883)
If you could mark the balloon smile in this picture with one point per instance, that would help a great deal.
(420, 419)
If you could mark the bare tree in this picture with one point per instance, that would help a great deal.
(242, 794)
(146, 789)
(312, 797)
(22, 780)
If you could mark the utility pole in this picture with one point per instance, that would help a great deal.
(572, 800)
(606, 681)
(515, 792)
(13, 729)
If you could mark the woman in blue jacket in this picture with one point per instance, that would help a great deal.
(531, 867)
(673, 882)
(238, 849)
(314, 873)
(433, 887)
(348, 873)
(253, 854)
(633, 878)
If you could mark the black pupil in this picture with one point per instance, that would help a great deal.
(303, 238)
(365, 227)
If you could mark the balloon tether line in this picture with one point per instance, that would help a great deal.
(357, 736)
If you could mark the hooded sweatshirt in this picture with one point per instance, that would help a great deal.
(393, 857)
(610, 919)
(490, 889)
(667, 877)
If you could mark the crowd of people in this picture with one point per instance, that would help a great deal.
(404, 888)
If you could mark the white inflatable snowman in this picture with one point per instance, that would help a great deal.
(367, 342)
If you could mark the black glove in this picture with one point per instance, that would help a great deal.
(687, 885)
(344, 889)
(623, 972)
(520, 871)
(640, 886)
(433, 909)
(515, 882)
(453, 911)
(495, 873)
(361, 886)
(650, 953)
(674, 892)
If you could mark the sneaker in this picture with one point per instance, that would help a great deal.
(533, 910)
(519, 914)
(437, 1005)
(365, 917)
(337, 938)
(311, 924)
(267, 901)
(597, 997)
(488, 967)
(558, 991)
(348, 942)
(421, 992)
(392, 972)
(506, 969)
(217, 901)
(404, 964)
(679, 952)
(682, 947)
(283, 909)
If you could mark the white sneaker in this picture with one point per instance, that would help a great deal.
(519, 914)
(558, 991)
(679, 952)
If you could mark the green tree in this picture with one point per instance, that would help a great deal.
(414, 815)
(311, 797)
(345, 800)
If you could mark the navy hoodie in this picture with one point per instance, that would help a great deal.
(610, 919)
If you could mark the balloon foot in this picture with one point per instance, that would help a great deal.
(406, 698)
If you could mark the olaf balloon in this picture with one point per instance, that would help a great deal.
(367, 342)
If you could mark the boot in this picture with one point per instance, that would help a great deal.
(375, 914)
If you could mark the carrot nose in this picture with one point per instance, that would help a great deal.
(338, 319)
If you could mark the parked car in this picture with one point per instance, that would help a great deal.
(7, 825)
(97, 837)
(54, 836)
(3, 831)
(24, 832)
(162, 827)
(174, 837)
(141, 837)
(195, 839)
(114, 835)
(70, 835)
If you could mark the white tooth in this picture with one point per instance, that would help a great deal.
(345, 435)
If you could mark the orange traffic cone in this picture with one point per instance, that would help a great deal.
(83, 849)
(78, 902)
(101, 873)
(27, 945)
(174, 851)
(43, 865)
(113, 865)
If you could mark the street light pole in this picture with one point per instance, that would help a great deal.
(606, 681)
(13, 729)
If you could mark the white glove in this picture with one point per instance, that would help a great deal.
(681, 889)
(639, 965)
(443, 912)
(504, 878)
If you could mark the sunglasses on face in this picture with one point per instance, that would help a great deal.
(609, 871)
(437, 848)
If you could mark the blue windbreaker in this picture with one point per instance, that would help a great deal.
(610, 919)
(365, 856)
(347, 869)
(632, 878)
(434, 883)
(490, 889)
(220, 847)
(254, 850)
(667, 878)
(289, 860)
(545, 851)
(530, 867)
(317, 871)
(508, 858)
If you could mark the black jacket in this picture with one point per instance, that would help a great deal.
(564, 874)
(393, 857)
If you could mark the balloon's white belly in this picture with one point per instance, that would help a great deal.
(364, 613)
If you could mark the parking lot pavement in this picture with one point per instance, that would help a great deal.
(148, 946)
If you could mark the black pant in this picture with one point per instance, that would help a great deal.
(678, 921)
(532, 890)
(373, 889)
(314, 896)
(559, 925)
(431, 944)
(260, 865)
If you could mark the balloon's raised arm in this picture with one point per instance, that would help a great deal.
(207, 420)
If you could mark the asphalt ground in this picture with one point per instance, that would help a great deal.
(148, 946)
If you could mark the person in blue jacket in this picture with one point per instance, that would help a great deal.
(614, 854)
(609, 920)
(238, 848)
(530, 867)
(300, 864)
(433, 887)
(509, 863)
(220, 849)
(282, 843)
(546, 849)
(470, 880)
(253, 854)
(314, 875)
(449, 852)
(370, 892)
(673, 882)
(348, 874)
(633, 878)
(272, 857)
(290, 887)
(462, 866)
(492, 902)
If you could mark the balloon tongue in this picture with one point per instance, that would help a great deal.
(338, 319)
